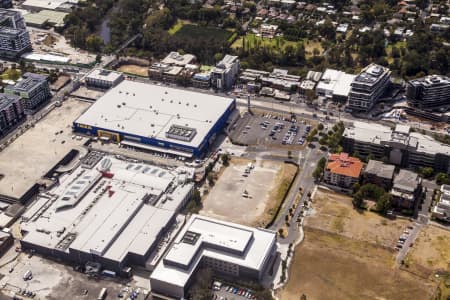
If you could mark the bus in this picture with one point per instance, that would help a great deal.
(102, 294)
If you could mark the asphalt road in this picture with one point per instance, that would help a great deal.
(307, 163)
(407, 245)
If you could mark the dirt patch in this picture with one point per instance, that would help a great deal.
(264, 184)
(134, 69)
(430, 252)
(331, 266)
(335, 213)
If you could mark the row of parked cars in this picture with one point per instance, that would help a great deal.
(240, 291)
(402, 239)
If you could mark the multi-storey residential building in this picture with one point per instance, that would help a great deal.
(406, 189)
(14, 38)
(342, 170)
(33, 89)
(429, 92)
(379, 173)
(368, 87)
(442, 209)
(225, 72)
(11, 111)
(398, 146)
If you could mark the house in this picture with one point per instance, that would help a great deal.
(342, 170)
(442, 209)
(268, 30)
(379, 173)
(406, 189)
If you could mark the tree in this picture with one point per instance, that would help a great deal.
(200, 289)
(196, 197)
(358, 200)
(225, 159)
(426, 172)
(355, 187)
(264, 294)
(210, 179)
(320, 126)
(94, 43)
(317, 174)
(441, 178)
(384, 203)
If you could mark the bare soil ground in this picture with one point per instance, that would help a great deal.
(134, 69)
(331, 266)
(430, 252)
(348, 254)
(335, 213)
(264, 184)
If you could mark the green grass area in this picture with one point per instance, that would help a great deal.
(256, 41)
(11, 74)
(398, 45)
(193, 31)
(177, 26)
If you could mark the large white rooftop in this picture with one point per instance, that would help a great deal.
(336, 82)
(115, 216)
(206, 237)
(102, 74)
(150, 111)
(380, 134)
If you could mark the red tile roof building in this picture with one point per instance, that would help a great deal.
(342, 170)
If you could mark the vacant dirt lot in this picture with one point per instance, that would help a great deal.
(331, 266)
(335, 213)
(31, 155)
(431, 251)
(264, 184)
(134, 69)
(348, 254)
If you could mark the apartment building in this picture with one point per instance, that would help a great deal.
(368, 87)
(342, 170)
(429, 92)
(406, 189)
(11, 112)
(379, 173)
(398, 146)
(14, 38)
(224, 74)
(33, 89)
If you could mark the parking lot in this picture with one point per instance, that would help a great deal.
(231, 292)
(52, 280)
(271, 130)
